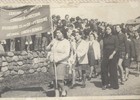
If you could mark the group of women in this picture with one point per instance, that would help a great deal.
(75, 55)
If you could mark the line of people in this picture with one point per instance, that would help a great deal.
(78, 46)
(35, 42)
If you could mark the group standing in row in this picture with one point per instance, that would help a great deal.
(81, 44)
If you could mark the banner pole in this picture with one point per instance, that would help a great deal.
(54, 64)
(52, 28)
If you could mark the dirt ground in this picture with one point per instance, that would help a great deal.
(93, 88)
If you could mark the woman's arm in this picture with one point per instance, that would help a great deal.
(64, 54)
(82, 49)
(116, 43)
(48, 48)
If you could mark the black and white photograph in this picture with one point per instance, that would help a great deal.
(70, 49)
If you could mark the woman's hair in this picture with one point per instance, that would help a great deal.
(66, 15)
(55, 32)
(63, 22)
(72, 19)
(110, 28)
(77, 18)
(128, 34)
(77, 31)
(119, 26)
(93, 33)
(71, 25)
(53, 16)
(73, 34)
(58, 21)
(58, 17)
(85, 19)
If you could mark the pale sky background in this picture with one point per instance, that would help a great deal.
(113, 13)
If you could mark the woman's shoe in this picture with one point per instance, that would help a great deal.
(72, 86)
(126, 78)
(115, 88)
(50, 86)
(122, 83)
(95, 75)
(80, 79)
(108, 86)
(64, 93)
(83, 86)
(104, 87)
(137, 75)
(89, 78)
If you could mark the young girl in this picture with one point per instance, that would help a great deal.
(122, 51)
(81, 57)
(93, 54)
(137, 50)
(129, 55)
(72, 59)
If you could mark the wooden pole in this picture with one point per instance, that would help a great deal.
(55, 68)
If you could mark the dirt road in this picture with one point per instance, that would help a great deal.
(93, 88)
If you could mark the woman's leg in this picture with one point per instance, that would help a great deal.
(61, 73)
(104, 73)
(91, 71)
(126, 73)
(28, 47)
(73, 76)
(113, 73)
(61, 87)
(121, 69)
(83, 78)
(138, 68)
(80, 74)
(95, 71)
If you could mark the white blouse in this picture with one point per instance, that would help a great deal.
(96, 48)
(60, 50)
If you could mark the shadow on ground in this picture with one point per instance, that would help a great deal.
(50, 93)
(97, 84)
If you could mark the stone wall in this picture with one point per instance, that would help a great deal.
(23, 64)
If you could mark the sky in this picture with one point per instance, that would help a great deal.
(113, 13)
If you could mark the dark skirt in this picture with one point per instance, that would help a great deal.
(82, 66)
(91, 57)
(122, 55)
(126, 63)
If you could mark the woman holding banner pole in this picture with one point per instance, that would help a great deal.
(60, 49)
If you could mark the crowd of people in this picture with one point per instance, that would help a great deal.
(78, 45)
(82, 44)
(36, 42)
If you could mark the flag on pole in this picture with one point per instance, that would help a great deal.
(24, 20)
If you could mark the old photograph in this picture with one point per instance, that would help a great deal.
(70, 49)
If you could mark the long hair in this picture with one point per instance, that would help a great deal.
(106, 29)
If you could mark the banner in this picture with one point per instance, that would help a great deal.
(24, 21)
